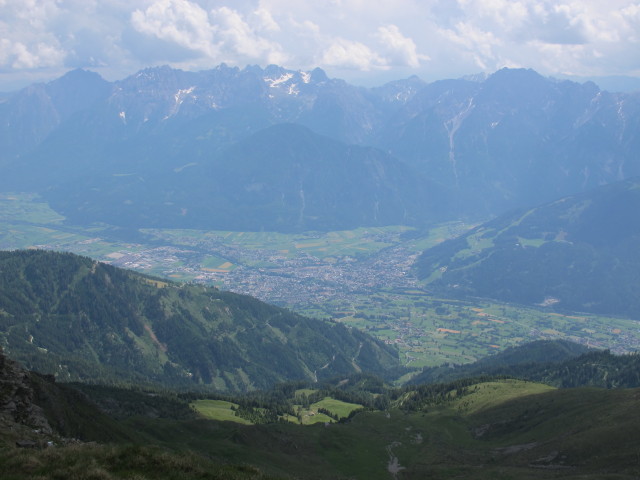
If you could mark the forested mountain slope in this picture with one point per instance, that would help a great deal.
(83, 320)
(579, 253)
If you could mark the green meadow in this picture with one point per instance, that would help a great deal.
(336, 407)
(218, 410)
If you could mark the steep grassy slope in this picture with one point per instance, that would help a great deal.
(493, 429)
(83, 320)
(33, 408)
(579, 253)
(509, 430)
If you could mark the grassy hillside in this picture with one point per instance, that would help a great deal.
(52, 422)
(499, 429)
(508, 430)
(82, 320)
(489, 429)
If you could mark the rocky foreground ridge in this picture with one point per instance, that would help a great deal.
(21, 419)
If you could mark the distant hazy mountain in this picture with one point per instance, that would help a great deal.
(281, 178)
(83, 320)
(517, 138)
(29, 116)
(579, 253)
(508, 140)
(613, 83)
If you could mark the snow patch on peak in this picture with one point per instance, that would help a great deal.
(306, 77)
(275, 82)
(182, 94)
(403, 96)
(293, 90)
(179, 98)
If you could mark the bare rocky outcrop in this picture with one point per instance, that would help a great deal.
(17, 398)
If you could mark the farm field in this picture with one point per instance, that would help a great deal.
(26, 221)
(431, 331)
(306, 414)
(321, 245)
(309, 414)
(362, 278)
(218, 410)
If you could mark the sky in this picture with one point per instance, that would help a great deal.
(364, 42)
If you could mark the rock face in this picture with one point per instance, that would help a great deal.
(22, 422)
(37, 412)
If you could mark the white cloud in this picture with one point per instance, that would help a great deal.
(351, 55)
(400, 50)
(218, 35)
(34, 46)
(179, 21)
(476, 44)
(583, 37)
(267, 23)
(553, 36)
(40, 55)
(239, 39)
(307, 27)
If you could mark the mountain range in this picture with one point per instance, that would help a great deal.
(408, 152)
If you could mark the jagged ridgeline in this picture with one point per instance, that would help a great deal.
(83, 320)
